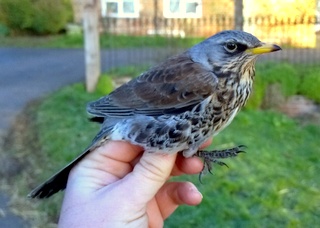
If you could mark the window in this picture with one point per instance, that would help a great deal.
(182, 8)
(120, 8)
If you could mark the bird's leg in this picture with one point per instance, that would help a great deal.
(212, 156)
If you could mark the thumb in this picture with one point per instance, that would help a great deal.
(151, 172)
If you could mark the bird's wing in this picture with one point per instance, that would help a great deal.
(172, 87)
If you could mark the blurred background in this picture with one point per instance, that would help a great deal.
(173, 24)
(57, 55)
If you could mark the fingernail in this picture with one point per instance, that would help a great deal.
(194, 189)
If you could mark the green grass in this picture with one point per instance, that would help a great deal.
(299, 79)
(127, 71)
(285, 75)
(106, 41)
(311, 83)
(72, 102)
(274, 184)
(54, 41)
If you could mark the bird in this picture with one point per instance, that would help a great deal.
(178, 104)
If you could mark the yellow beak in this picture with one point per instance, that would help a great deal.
(264, 48)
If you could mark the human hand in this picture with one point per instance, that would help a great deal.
(117, 185)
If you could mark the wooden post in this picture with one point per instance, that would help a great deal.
(91, 43)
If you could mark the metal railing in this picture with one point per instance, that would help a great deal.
(299, 36)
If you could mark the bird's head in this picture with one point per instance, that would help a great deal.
(228, 52)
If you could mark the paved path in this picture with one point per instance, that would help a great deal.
(27, 74)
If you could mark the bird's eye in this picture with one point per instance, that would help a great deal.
(231, 47)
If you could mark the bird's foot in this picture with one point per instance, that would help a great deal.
(212, 156)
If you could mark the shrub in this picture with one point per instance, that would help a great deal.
(4, 31)
(310, 85)
(51, 16)
(105, 85)
(280, 73)
(283, 74)
(16, 14)
(35, 16)
(257, 95)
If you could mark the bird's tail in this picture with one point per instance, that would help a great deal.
(58, 181)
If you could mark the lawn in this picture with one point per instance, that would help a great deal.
(106, 41)
(274, 184)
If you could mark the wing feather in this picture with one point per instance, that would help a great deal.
(171, 87)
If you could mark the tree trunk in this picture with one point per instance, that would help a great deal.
(91, 43)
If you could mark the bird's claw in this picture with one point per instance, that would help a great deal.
(210, 157)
